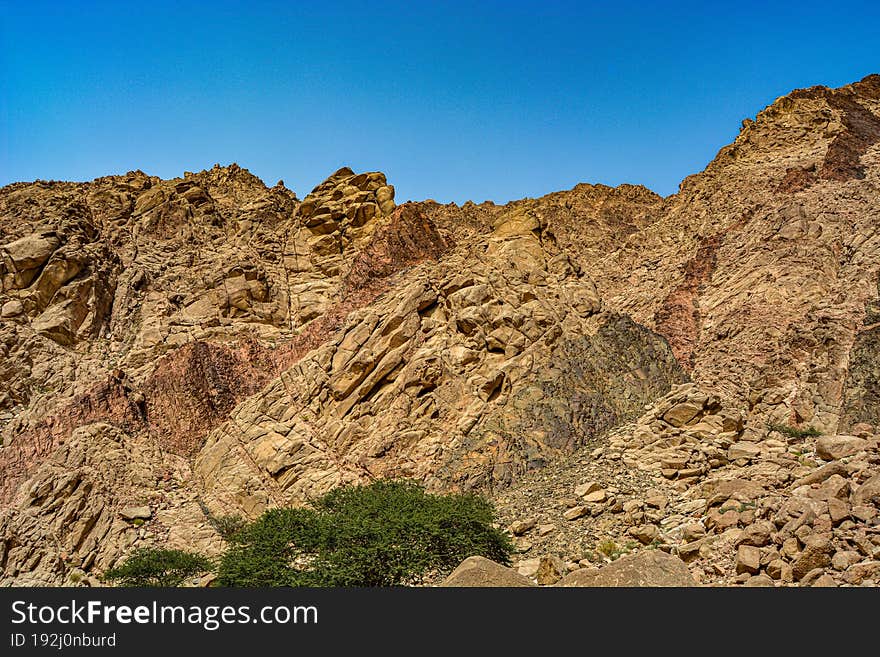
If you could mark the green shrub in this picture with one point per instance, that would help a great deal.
(226, 525)
(388, 533)
(794, 432)
(152, 567)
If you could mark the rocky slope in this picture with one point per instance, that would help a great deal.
(170, 346)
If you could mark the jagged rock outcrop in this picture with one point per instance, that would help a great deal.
(263, 349)
(73, 515)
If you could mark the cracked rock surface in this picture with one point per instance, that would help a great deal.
(625, 375)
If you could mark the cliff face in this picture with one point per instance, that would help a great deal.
(207, 340)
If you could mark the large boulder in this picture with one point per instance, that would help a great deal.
(868, 492)
(646, 568)
(481, 572)
(21, 260)
(832, 448)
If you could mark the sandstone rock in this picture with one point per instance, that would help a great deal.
(862, 512)
(812, 576)
(759, 581)
(838, 510)
(721, 521)
(748, 559)
(776, 568)
(595, 496)
(832, 448)
(587, 488)
(26, 255)
(528, 567)
(520, 527)
(813, 557)
(481, 572)
(11, 308)
(688, 552)
(646, 534)
(860, 572)
(868, 492)
(656, 501)
(576, 512)
(843, 559)
(743, 450)
(235, 345)
(681, 414)
(136, 513)
(720, 491)
(757, 534)
(833, 488)
(821, 474)
(642, 569)
(824, 581)
(694, 531)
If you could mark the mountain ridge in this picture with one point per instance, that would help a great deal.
(227, 344)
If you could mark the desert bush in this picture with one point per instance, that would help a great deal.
(794, 432)
(385, 534)
(154, 567)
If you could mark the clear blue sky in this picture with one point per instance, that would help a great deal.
(454, 100)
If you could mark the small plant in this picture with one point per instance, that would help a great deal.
(612, 550)
(794, 432)
(227, 525)
(152, 567)
(607, 547)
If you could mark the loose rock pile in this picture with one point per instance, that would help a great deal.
(738, 505)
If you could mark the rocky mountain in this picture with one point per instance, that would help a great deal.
(619, 371)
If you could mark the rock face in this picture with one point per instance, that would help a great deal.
(654, 371)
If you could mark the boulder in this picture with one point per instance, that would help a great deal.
(815, 555)
(576, 512)
(647, 568)
(528, 567)
(27, 255)
(136, 513)
(681, 414)
(596, 496)
(587, 488)
(748, 559)
(645, 533)
(520, 527)
(11, 308)
(831, 448)
(757, 534)
(743, 450)
(821, 474)
(481, 572)
(868, 492)
(759, 581)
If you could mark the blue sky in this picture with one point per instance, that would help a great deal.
(454, 101)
